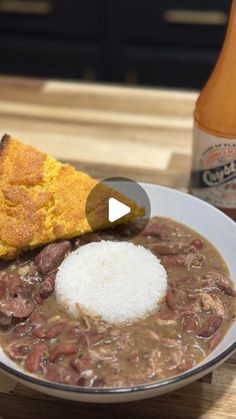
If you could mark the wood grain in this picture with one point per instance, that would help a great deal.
(111, 131)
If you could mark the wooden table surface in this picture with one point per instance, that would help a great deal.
(143, 134)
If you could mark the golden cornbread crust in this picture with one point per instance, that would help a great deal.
(41, 199)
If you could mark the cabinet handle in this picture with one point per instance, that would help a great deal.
(26, 7)
(195, 17)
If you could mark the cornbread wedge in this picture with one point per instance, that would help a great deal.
(43, 200)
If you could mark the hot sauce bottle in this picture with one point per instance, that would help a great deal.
(213, 175)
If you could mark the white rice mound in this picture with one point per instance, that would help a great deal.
(117, 281)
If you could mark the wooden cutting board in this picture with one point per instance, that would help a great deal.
(110, 131)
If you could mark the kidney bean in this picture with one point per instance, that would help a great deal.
(210, 326)
(18, 351)
(158, 229)
(165, 248)
(227, 290)
(170, 261)
(47, 286)
(54, 373)
(54, 331)
(197, 243)
(81, 382)
(133, 359)
(37, 319)
(76, 364)
(185, 365)
(34, 358)
(75, 331)
(81, 364)
(166, 315)
(215, 340)
(3, 288)
(50, 333)
(170, 300)
(62, 349)
(51, 256)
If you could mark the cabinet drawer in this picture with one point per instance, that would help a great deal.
(168, 67)
(37, 58)
(51, 17)
(199, 22)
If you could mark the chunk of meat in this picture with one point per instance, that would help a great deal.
(170, 299)
(21, 330)
(18, 351)
(51, 256)
(13, 282)
(47, 286)
(16, 307)
(5, 318)
(33, 360)
(189, 323)
(153, 335)
(210, 326)
(214, 278)
(170, 343)
(62, 349)
(24, 292)
(212, 304)
(90, 338)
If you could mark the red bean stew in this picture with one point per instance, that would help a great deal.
(192, 319)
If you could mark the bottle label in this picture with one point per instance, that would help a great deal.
(213, 176)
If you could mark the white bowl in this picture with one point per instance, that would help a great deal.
(217, 228)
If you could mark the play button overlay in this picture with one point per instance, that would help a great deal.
(118, 205)
(117, 210)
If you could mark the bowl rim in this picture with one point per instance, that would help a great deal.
(120, 390)
(179, 378)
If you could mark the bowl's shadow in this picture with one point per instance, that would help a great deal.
(211, 397)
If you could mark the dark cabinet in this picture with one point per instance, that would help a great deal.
(161, 43)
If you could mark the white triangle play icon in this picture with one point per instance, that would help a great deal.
(116, 210)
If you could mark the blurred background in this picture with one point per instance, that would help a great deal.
(169, 43)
